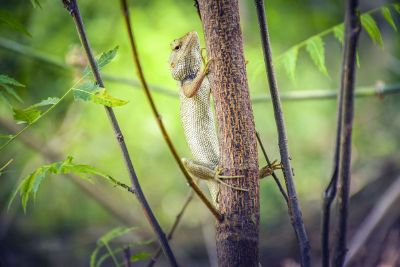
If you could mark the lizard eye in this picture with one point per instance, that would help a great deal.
(177, 47)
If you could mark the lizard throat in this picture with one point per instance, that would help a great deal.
(188, 77)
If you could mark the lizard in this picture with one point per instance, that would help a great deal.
(197, 116)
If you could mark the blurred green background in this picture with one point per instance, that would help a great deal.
(62, 226)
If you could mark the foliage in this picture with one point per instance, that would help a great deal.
(90, 91)
(8, 19)
(32, 113)
(315, 45)
(29, 186)
(8, 94)
(87, 91)
(104, 241)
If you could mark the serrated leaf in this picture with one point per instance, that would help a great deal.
(103, 98)
(388, 17)
(10, 91)
(104, 59)
(46, 102)
(8, 18)
(5, 100)
(316, 50)
(140, 256)
(29, 186)
(369, 24)
(338, 32)
(289, 62)
(28, 115)
(114, 233)
(85, 91)
(4, 79)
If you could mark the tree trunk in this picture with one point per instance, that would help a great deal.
(237, 234)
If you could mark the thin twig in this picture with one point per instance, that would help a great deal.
(164, 132)
(127, 256)
(173, 228)
(72, 7)
(278, 183)
(378, 90)
(294, 207)
(353, 28)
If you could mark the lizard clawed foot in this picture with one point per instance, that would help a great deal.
(207, 66)
(219, 178)
(269, 169)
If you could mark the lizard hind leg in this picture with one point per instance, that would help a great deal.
(209, 172)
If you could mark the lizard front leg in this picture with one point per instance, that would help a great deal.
(191, 88)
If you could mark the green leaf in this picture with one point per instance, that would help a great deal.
(316, 50)
(10, 91)
(114, 233)
(289, 62)
(103, 98)
(92, 92)
(5, 100)
(4, 79)
(85, 91)
(338, 32)
(29, 186)
(8, 18)
(104, 240)
(388, 16)
(140, 256)
(372, 29)
(7, 83)
(28, 115)
(104, 59)
(46, 102)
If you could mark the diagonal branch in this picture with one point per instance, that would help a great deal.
(72, 7)
(353, 28)
(164, 132)
(173, 228)
(294, 206)
(276, 179)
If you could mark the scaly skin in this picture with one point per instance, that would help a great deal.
(195, 111)
(197, 116)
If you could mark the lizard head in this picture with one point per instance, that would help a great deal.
(185, 58)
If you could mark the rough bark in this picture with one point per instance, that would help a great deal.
(237, 234)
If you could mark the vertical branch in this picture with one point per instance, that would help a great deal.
(353, 28)
(294, 206)
(72, 7)
(237, 236)
(164, 132)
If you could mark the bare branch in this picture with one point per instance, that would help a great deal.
(353, 28)
(294, 206)
(72, 7)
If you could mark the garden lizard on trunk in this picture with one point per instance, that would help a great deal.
(196, 114)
